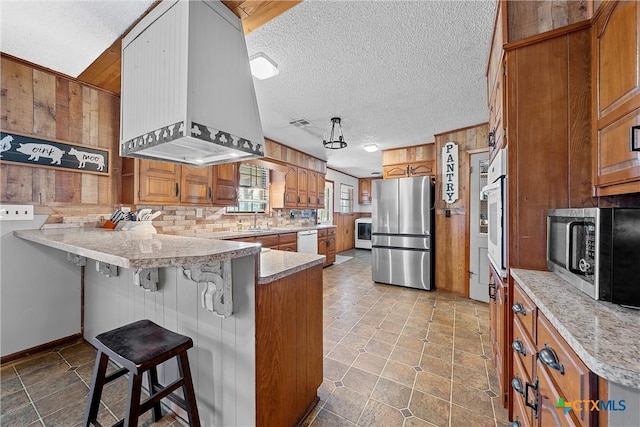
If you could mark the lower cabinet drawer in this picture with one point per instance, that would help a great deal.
(524, 309)
(549, 400)
(563, 367)
(288, 238)
(519, 392)
(291, 247)
(523, 347)
(269, 241)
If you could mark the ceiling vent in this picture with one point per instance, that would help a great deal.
(187, 91)
(301, 123)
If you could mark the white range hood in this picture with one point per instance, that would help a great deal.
(187, 90)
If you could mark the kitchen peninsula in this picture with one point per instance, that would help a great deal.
(246, 311)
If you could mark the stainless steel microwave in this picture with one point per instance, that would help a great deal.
(597, 250)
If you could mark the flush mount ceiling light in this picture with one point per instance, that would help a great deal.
(263, 67)
(370, 147)
(336, 140)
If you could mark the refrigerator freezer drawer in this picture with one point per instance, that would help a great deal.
(411, 268)
(395, 241)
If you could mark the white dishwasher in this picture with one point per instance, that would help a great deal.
(308, 241)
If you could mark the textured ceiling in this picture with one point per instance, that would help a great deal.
(395, 72)
(65, 35)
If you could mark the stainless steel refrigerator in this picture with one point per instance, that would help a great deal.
(402, 232)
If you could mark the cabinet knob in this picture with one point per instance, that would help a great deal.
(516, 383)
(549, 357)
(518, 347)
(518, 308)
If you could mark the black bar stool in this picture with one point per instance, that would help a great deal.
(140, 347)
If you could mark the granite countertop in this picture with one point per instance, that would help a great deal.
(605, 336)
(275, 265)
(136, 250)
(234, 234)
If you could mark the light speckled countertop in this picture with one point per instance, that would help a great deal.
(234, 234)
(604, 335)
(135, 250)
(275, 265)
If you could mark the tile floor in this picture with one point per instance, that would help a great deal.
(393, 357)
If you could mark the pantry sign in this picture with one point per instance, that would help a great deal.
(450, 172)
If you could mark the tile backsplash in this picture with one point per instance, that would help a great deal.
(186, 220)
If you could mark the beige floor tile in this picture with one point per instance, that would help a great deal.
(354, 340)
(76, 392)
(399, 373)
(413, 344)
(36, 362)
(347, 403)
(378, 414)
(379, 348)
(326, 418)
(430, 409)
(436, 366)
(470, 360)
(361, 381)
(439, 351)
(434, 385)
(13, 401)
(19, 417)
(416, 422)
(10, 386)
(343, 354)
(464, 417)
(391, 326)
(470, 377)
(385, 336)
(370, 363)
(7, 372)
(472, 399)
(334, 370)
(406, 356)
(392, 393)
(469, 345)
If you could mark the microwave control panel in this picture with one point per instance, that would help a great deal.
(586, 264)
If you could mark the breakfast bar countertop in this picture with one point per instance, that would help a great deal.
(127, 249)
(605, 336)
(275, 265)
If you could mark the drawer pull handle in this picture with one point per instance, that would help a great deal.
(517, 385)
(516, 423)
(550, 358)
(518, 308)
(518, 347)
(533, 405)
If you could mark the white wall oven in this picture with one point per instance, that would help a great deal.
(496, 194)
(363, 233)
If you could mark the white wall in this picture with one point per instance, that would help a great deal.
(39, 291)
(341, 178)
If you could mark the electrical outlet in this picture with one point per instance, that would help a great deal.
(16, 212)
(199, 212)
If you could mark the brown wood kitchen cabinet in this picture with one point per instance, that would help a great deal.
(303, 188)
(321, 196)
(327, 245)
(616, 97)
(154, 181)
(312, 189)
(545, 369)
(498, 297)
(226, 178)
(495, 83)
(409, 169)
(418, 160)
(365, 188)
(288, 347)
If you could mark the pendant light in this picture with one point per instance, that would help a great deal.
(336, 140)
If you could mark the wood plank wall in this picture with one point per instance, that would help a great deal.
(452, 233)
(529, 18)
(46, 105)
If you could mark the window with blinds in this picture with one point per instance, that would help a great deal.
(253, 190)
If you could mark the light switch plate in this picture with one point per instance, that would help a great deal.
(16, 212)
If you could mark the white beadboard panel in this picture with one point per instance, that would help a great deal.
(154, 74)
(221, 90)
(223, 358)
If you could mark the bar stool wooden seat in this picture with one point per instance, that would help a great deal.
(140, 347)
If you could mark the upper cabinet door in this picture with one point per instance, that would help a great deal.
(321, 184)
(616, 39)
(422, 168)
(312, 189)
(303, 192)
(159, 181)
(196, 185)
(291, 187)
(618, 57)
(395, 171)
(225, 184)
(364, 191)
